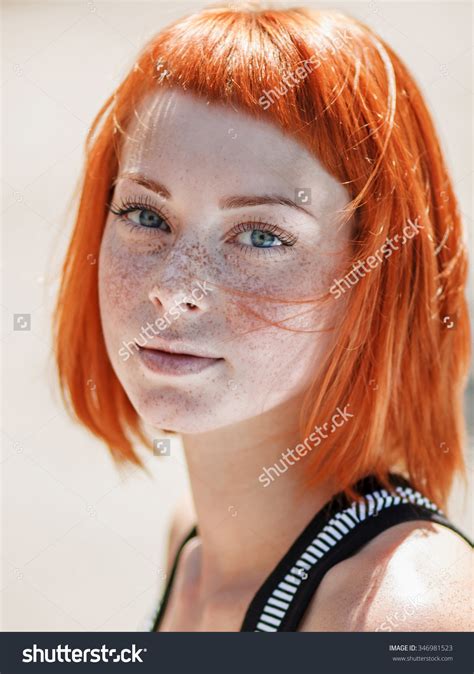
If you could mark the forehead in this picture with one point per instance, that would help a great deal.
(176, 136)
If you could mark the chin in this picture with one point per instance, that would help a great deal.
(180, 424)
(173, 412)
(177, 413)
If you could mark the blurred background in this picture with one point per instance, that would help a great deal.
(83, 546)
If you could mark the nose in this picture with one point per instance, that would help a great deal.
(178, 288)
(165, 300)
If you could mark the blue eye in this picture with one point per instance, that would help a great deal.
(147, 218)
(136, 214)
(261, 239)
(262, 235)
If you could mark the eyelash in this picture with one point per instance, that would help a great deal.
(141, 203)
(145, 203)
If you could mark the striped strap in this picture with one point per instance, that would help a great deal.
(284, 597)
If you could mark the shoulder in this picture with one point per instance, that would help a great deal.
(182, 520)
(413, 577)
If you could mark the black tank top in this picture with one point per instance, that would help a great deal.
(335, 533)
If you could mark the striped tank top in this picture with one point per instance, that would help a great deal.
(335, 533)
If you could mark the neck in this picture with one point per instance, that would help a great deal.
(244, 527)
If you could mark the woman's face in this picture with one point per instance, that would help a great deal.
(226, 215)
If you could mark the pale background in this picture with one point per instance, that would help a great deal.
(81, 548)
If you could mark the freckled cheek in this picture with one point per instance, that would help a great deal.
(312, 273)
(277, 291)
(273, 364)
(123, 276)
(271, 356)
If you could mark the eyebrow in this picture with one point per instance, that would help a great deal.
(226, 203)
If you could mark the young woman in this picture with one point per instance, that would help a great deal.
(280, 280)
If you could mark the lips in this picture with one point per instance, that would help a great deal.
(174, 363)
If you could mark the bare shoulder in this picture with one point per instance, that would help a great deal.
(413, 577)
(183, 518)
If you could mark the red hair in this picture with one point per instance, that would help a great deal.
(402, 348)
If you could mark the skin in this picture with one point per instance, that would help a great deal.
(241, 414)
(411, 578)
